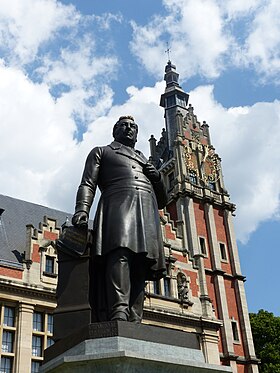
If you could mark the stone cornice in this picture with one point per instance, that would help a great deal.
(240, 359)
(13, 287)
(217, 199)
(236, 276)
(169, 299)
(180, 320)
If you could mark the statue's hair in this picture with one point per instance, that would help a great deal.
(120, 119)
(125, 117)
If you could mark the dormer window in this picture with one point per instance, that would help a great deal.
(49, 267)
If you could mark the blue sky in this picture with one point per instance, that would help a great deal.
(69, 69)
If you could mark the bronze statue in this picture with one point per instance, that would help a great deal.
(127, 244)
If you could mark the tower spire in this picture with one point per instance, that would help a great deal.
(174, 100)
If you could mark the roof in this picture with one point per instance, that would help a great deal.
(15, 214)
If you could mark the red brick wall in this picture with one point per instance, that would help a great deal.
(172, 210)
(193, 282)
(36, 253)
(241, 368)
(179, 257)
(50, 235)
(221, 237)
(233, 313)
(212, 296)
(169, 233)
(211, 292)
(202, 230)
(10, 272)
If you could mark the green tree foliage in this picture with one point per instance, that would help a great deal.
(266, 335)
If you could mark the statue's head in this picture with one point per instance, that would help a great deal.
(125, 131)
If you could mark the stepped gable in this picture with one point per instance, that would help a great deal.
(15, 217)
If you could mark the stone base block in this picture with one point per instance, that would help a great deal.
(122, 347)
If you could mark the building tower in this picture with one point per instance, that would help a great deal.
(204, 268)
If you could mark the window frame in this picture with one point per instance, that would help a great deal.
(223, 252)
(9, 317)
(4, 368)
(193, 177)
(35, 363)
(167, 286)
(36, 345)
(203, 251)
(49, 260)
(171, 180)
(156, 287)
(7, 341)
(235, 331)
(36, 322)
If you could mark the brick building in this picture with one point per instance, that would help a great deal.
(203, 292)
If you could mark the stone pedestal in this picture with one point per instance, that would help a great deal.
(73, 309)
(123, 347)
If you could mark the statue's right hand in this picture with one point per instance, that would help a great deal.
(80, 218)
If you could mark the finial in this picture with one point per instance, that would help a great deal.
(168, 50)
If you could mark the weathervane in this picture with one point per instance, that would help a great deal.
(168, 50)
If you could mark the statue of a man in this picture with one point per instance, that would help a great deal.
(127, 243)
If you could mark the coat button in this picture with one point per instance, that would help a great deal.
(135, 177)
(137, 188)
(133, 166)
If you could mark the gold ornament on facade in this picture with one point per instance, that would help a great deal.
(189, 159)
(210, 166)
(195, 136)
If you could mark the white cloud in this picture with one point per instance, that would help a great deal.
(195, 29)
(35, 134)
(263, 43)
(77, 66)
(247, 139)
(239, 8)
(17, 21)
(80, 71)
(107, 18)
(209, 36)
(55, 44)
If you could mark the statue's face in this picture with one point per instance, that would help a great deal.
(126, 132)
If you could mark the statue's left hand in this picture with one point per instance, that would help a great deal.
(80, 218)
(151, 172)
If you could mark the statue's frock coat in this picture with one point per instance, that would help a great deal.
(127, 214)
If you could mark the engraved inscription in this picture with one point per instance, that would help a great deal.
(103, 330)
(73, 240)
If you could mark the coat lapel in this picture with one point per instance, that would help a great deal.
(128, 152)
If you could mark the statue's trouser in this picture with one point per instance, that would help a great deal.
(125, 284)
